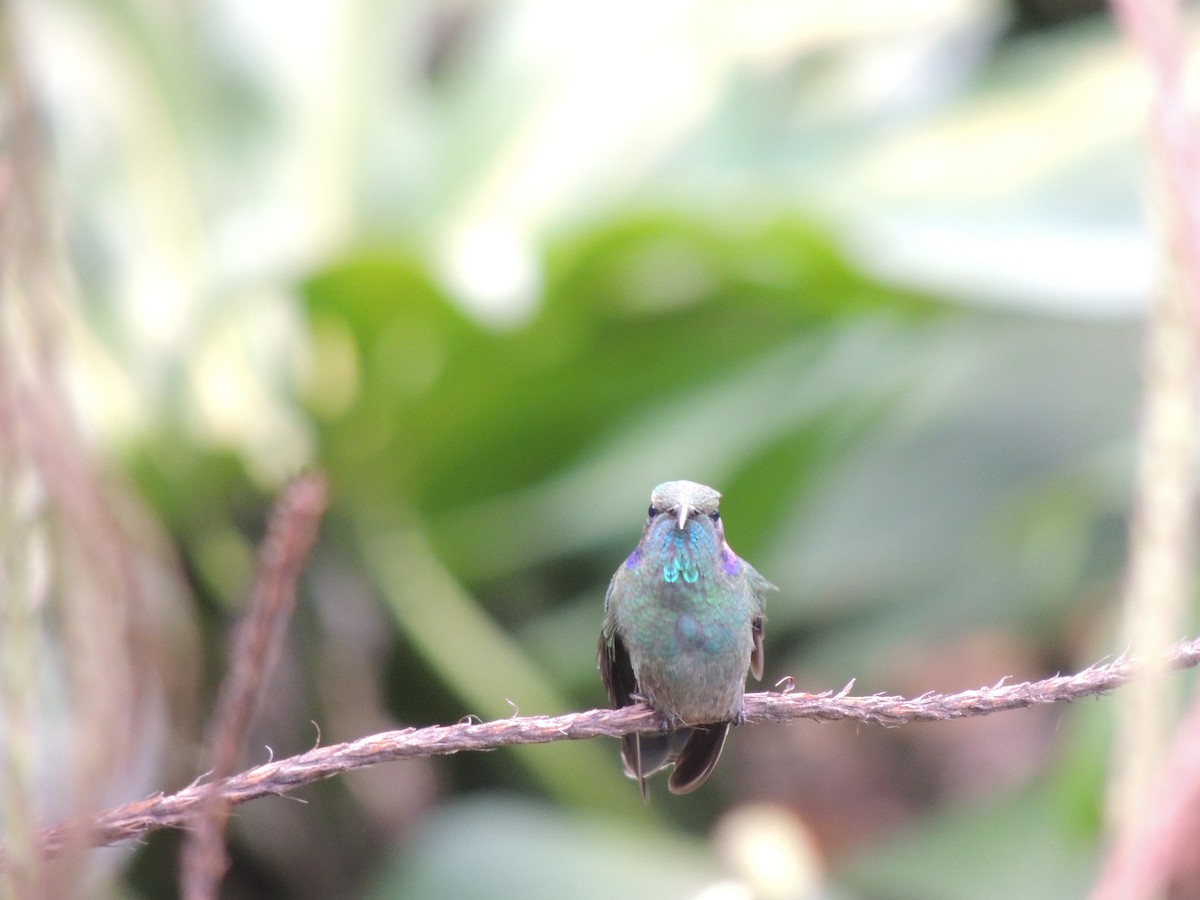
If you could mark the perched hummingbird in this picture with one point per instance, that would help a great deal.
(683, 621)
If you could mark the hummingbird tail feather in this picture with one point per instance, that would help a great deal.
(646, 754)
(698, 757)
(631, 756)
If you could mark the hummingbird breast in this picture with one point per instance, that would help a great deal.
(685, 618)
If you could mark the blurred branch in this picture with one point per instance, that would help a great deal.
(24, 313)
(1154, 834)
(285, 775)
(79, 632)
(1159, 855)
(290, 537)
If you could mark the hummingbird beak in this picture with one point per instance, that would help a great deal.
(684, 509)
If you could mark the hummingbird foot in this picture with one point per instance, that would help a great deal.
(667, 722)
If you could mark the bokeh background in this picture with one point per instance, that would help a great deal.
(876, 271)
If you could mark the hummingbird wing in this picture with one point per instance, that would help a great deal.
(756, 651)
(758, 588)
(698, 757)
(617, 673)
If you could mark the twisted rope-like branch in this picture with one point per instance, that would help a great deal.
(285, 775)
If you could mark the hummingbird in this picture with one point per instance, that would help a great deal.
(683, 622)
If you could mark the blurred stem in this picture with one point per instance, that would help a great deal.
(477, 660)
(18, 693)
(1159, 582)
(22, 534)
(19, 664)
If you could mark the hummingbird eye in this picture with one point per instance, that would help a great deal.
(715, 515)
(653, 512)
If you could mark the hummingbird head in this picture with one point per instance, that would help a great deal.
(683, 500)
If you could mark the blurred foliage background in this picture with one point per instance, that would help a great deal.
(875, 271)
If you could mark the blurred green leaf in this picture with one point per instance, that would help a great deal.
(633, 314)
(1016, 847)
(501, 847)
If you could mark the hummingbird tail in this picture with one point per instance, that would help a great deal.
(698, 757)
(631, 756)
(645, 754)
